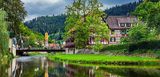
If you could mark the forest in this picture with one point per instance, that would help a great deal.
(52, 24)
(122, 10)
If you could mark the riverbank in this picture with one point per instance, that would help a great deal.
(103, 59)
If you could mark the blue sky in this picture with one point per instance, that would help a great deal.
(37, 8)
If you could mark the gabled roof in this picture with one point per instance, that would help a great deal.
(114, 21)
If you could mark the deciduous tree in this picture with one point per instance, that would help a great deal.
(85, 20)
(15, 11)
(149, 12)
(4, 36)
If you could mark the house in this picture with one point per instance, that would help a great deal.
(119, 26)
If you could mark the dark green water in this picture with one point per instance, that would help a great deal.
(41, 67)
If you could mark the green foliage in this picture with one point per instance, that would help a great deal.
(124, 40)
(139, 32)
(15, 11)
(50, 24)
(122, 10)
(30, 38)
(101, 59)
(149, 12)
(56, 36)
(84, 19)
(145, 45)
(4, 36)
(122, 47)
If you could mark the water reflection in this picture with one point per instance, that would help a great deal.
(41, 67)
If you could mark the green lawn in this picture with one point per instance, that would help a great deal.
(103, 59)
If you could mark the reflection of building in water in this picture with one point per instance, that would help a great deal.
(74, 71)
(41, 67)
(29, 67)
(79, 71)
(46, 70)
(11, 68)
(15, 69)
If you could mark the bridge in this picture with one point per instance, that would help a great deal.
(22, 51)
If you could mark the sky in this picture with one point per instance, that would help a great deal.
(36, 8)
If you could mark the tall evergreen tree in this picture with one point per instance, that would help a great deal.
(123, 10)
(85, 20)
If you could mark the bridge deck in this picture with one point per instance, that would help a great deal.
(40, 50)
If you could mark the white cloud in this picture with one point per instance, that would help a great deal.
(37, 8)
(42, 1)
(30, 17)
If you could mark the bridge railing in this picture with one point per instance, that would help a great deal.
(40, 48)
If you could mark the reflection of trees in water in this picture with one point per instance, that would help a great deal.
(33, 68)
(77, 71)
(133, 72)
(56, 70)
(41, 66)
(25, 69)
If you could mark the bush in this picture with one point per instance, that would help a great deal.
(115, 47)
(145, 45)
(139, 47)
(4, 36)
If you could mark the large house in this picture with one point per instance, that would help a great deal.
(119, 26)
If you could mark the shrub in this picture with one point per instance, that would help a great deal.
(115, 47)
(4, 36)
(145, 45)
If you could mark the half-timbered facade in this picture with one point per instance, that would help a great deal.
(119, 26)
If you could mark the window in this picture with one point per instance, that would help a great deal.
(112, 39)
(122, 24)
(112, 31)
(128, 25)
(124, 31)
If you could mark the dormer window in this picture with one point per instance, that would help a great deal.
(122, 24)
(128, 24)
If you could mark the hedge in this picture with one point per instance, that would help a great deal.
(145, 45)
(115, 47)
(139, 46)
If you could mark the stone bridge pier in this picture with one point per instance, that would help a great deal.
(12, 47)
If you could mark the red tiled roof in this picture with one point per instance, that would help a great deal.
(114, 21)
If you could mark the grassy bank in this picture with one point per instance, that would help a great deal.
(104, 59)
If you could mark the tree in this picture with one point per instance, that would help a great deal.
(85, 20)
(139, 32)
(50, 24)
(149, 12)
(15, 11)
(29, 37)
(4, 36)
(122, 10)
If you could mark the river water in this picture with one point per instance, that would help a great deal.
(38, 66)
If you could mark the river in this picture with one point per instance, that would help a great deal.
(39, 66)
